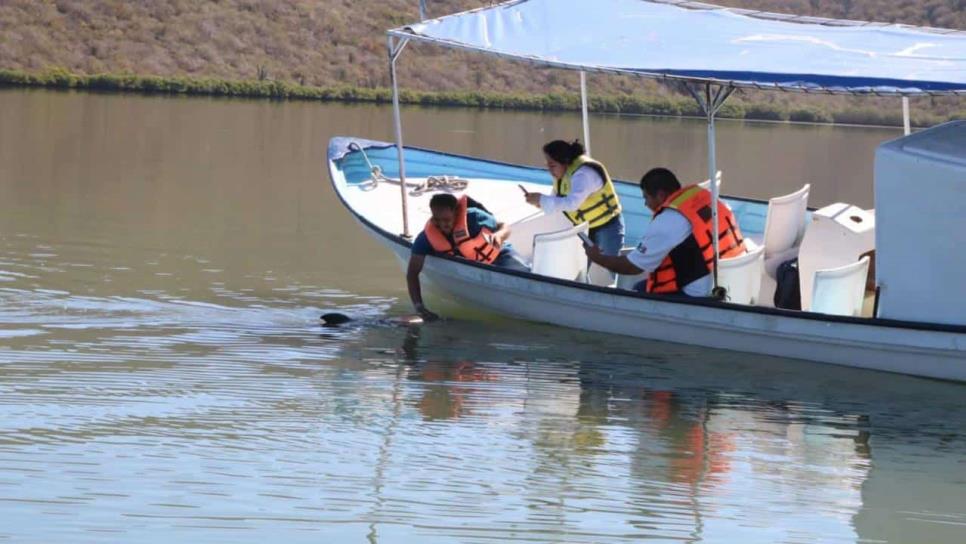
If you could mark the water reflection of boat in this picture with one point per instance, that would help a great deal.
(913, 327)
(713, 447)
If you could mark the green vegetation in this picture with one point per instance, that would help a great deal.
(335, 50)
(629, 104)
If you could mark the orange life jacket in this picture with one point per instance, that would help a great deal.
(480, 248)
(694, 258)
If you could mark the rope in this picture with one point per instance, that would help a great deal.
(449, 184)
(432, 183)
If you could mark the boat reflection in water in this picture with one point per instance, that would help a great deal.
(684, 444)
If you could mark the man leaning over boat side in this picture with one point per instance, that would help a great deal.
(676, 251)
(460, 227)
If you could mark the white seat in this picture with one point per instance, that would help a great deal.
(523, 231)
(628, 282)
(785, 222)
(598, 275)
(784, 229)
(741, 276)
(840, 291)
(706, 184)
(560, 254)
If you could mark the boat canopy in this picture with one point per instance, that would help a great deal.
(703, 43)
(711, 49)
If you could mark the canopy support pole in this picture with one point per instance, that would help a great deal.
(710, 101)
(906, 126)
(395, 49)
(422, 10)
(583, 110)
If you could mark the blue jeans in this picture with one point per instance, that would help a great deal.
(609, 237)
(510, 259)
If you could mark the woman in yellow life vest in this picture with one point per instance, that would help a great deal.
(584, 192)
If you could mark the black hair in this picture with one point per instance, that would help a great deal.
(443, 200)
(659, 179)
(563, 152)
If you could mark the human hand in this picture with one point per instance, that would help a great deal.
(499, 237)
(533, 199)
(426, 314)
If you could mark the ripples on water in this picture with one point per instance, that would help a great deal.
(163, 378)
(232, 416)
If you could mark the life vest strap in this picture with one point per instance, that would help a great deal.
(697, 259)
(478, 248)
(600, 206)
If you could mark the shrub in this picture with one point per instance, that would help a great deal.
(926, 120)
(810, 115)
(868, 116)
(286, 90)
(732, 110)
(766, 112)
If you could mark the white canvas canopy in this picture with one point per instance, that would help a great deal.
(701, 42)
(712, 50)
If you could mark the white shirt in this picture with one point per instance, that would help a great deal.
(583, 183)
(665, 233)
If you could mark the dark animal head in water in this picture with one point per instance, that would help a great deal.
(334, 319)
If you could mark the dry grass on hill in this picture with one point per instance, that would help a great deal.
(936, 13)
(333, 42)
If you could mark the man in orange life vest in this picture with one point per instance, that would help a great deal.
(462, 228)
(676, 251)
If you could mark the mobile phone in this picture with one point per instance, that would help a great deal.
(524, 189)
(586, 239)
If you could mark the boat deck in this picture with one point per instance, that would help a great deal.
(492, 183)
(504, 199)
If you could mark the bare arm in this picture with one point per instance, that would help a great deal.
(502, 233)
(618, 264)
(415, 290)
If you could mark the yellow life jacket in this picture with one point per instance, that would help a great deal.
(598, 208)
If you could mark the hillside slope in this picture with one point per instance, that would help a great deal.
(330, 42)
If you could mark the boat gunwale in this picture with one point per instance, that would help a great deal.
(636, 185)
(708, 303)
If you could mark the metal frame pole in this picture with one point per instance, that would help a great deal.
(710, 101)
(906, 125)
(712, 169)
(422, 10)
(395, 49)
(583, 110)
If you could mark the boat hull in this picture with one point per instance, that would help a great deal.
(933, 354)
(926, 350)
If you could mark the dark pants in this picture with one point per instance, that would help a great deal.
(680, 295)
(609, 237)
(511, 260)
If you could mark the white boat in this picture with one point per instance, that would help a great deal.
(913, 323)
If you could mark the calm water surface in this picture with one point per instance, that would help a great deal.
(163, 378)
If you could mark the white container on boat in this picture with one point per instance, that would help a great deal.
(920, 196)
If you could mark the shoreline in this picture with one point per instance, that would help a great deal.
(675, 107)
